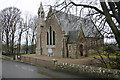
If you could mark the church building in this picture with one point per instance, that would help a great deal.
(66, 35)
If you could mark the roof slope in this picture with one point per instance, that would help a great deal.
(71, 25)
(70, 22)
(73, 36)
(66, 21)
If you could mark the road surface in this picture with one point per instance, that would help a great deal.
(14, 69)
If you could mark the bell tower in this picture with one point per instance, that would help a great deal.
(41, 15)
(40, 26)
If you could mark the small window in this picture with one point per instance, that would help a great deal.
(91, 43)
(42, 26)
(70, 47)
(38, 13)
(97, 43)
(101, 42)
(42, 14)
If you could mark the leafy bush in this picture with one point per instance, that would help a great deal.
(109, 58)
(110, 50)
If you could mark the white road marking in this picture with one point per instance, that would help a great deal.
(28, 69)
(31, 70)
(24, 68)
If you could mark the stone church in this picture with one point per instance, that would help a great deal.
(66, 35)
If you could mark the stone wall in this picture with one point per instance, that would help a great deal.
(72, 52)
(37, 62)
(89, 71)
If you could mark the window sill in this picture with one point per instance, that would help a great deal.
(50, 46)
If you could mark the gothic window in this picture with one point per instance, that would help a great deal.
(101, 43)
(97, 43)
(53, 37)
(50, 35)
(91, 43)
(42, 14)
(38, 13)
(70, 47)
(47, 38)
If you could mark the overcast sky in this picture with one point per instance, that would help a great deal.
(26, 6)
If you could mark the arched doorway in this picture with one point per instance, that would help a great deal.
(81, 50)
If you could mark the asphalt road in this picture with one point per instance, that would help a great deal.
(14, 69)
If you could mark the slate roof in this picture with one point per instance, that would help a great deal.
(66, 21)
(71, 25)
(73, 36)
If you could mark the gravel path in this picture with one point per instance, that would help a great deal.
(89, 61)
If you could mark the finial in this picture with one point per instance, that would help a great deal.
(40, 3)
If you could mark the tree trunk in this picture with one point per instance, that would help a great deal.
(19, 45)
(27, 42)
(111, 23)
(7, 44)
(12, 46)
(32, 46)
(115, 13)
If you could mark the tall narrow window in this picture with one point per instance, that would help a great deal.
(101, 43)
(50, 35)
(97, 43)
(70, 47)
(53, 37)
(47, 38)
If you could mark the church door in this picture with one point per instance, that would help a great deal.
(81, 50)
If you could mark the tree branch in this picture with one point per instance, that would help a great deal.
(112, 7)
(111, 23)
(88, 6)
(93, 7)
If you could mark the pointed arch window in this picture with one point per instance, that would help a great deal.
(47, 38)
(50, 37)
(42, 14)
(53, 37)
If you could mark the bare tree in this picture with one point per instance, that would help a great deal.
(105, 16)
(33, 31)
(10, 18)
(21, 29)
(28, 33)
(108, 13)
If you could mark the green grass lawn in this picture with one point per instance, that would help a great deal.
(104, 54)
(96, 55)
